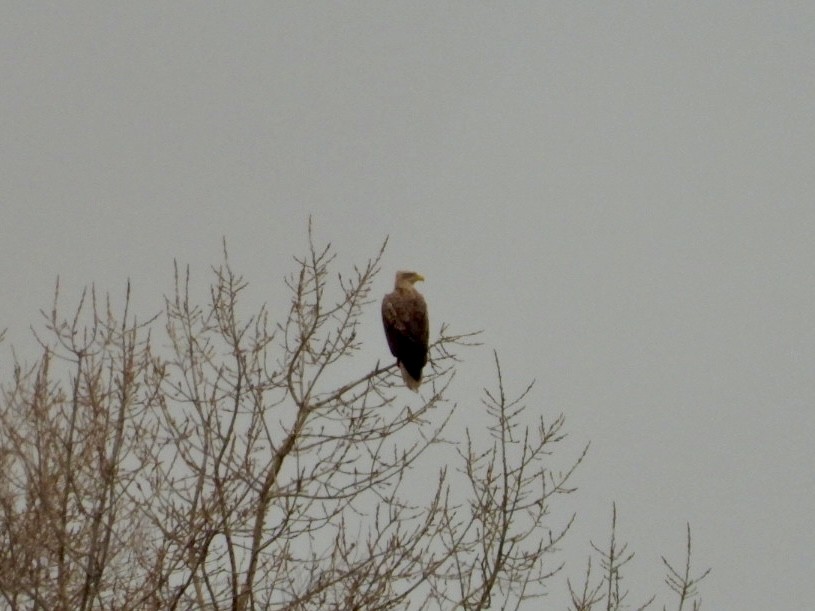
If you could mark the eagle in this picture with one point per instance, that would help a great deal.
(404, 316)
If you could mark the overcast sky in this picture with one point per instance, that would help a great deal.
(619, 194)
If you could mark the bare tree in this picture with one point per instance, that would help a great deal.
(609, 594)
(233, 461)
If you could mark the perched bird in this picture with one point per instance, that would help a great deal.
(404, 315)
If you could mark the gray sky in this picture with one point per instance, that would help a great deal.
(619, 194)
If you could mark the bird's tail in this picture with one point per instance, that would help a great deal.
(411, 382)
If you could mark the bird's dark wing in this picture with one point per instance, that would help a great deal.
(407, 330)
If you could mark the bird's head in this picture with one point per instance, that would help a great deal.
(407, 279)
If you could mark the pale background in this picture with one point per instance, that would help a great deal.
(619, 194)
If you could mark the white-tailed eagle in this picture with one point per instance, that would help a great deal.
(404, 315)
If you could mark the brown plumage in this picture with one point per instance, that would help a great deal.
(404, 316)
